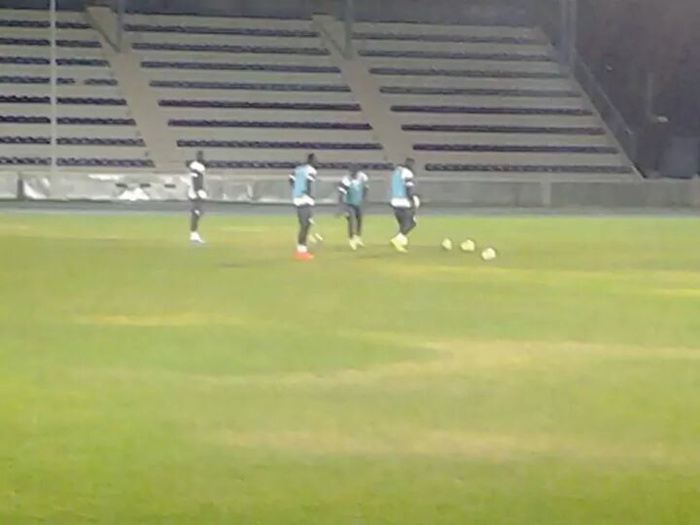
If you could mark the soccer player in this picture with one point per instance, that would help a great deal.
(404, 201)
(352, 193)
(301, 180)
(197, 195)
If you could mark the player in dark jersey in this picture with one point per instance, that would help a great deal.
(301, 180)
(352, 193)
(197, 195)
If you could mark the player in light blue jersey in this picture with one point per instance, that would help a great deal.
(301, 180)
(404, 201)
(352, 194)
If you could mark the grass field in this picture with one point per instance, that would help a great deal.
(147, 381)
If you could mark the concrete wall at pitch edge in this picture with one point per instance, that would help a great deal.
(66, 186)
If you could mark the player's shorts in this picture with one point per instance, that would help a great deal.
(404, 215)
(197, 206)
(305, 214)
(353, 211)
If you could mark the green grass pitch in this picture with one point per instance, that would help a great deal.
(147, 381)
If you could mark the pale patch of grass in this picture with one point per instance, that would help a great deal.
(500, 352)
(459, 445)
(181, 319)
(680, 292)
(8, 229)
(475, 271)
(449, 358)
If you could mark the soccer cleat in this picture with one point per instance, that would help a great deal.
(398, 245)
(358, 242)
(196, 238)
(353, 244)
(303, 256)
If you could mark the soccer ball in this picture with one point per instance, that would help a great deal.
(446, 245)
(468, 246)
(489, 254)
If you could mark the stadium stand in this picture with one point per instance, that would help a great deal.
(487, 100)
(256, 94)
(95, 128)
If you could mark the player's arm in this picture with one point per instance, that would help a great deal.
(410, 187)
(311, 179)
(191, 189)
(201, 191)
(343, 189)
(410, 192)
(342, 193)
(292, 179)
(365, 188)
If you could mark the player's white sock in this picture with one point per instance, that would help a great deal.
(301, 248)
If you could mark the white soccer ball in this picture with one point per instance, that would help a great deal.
(446, 244)
(468, 246)
(489, 254)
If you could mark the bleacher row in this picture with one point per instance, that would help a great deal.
(259, 94)
(96, 128)
(45, 42)
(486, 100)
(16, 79)
(41, 61)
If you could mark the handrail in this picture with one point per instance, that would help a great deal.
(612, 116)
(615, 121)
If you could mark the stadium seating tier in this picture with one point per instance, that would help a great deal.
(259, 94)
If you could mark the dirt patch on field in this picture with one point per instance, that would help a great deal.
(458, 445)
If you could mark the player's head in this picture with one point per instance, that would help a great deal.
(409, 163)
(354, 170)
(199, 157)
(311, 160)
